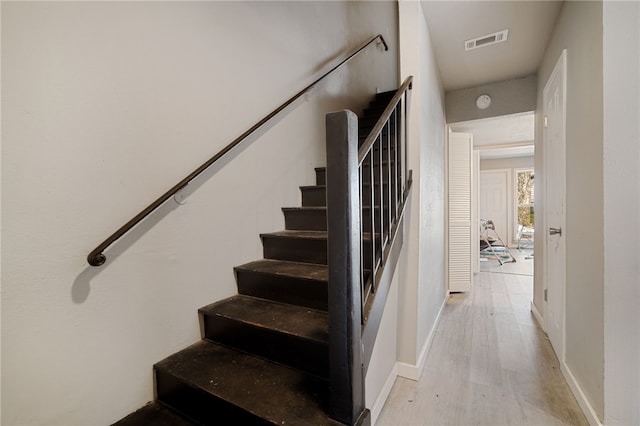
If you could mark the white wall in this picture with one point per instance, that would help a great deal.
(422, 289)
(507, 97)
(621, 169)
(106, 105)
(579, 30)
(382, 370)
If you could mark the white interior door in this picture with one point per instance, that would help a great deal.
(494, 200)
(553, 134)
(459, 224)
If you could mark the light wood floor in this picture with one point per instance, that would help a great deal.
(489, 364)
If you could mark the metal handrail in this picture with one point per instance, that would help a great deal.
(399, 181)
(97, 258)
(375, 131)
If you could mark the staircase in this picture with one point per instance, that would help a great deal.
(264, 356)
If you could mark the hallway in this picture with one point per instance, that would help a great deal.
(490, 364)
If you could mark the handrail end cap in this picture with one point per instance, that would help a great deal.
(97, 260)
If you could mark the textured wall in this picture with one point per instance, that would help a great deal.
(621, 57)
(579, 30)
(422, 281)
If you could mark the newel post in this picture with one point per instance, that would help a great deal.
(347, 403)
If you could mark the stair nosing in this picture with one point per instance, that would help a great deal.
(304, 208)
(291, 233)
(300, 234)
(318, 266)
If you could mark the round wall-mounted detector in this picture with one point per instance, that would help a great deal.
(483, 101)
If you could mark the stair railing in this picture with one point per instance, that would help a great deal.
(97, 258)
(367, 190)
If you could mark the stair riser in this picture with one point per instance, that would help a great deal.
(301, 292)
(365, 128)
(374, 110)
(376, 158)
(317, 196)
(321, 176)
(367, 123)
(366, 195)
(303, 354)
(366, 174)
(315, 220)
(200, 406)
(384, 150)
(321, 173)
(314, 196)
(295, 249)
(366, 218)
(377, 106)
(306, 220)
(300, 250)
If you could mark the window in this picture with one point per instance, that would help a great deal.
(524, 199)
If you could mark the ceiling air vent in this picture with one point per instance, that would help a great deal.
(486, 40)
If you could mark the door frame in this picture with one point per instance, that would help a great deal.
(560, 67)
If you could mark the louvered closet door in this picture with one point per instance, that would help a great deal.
(460, 167)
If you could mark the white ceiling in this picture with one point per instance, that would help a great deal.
(530, 24)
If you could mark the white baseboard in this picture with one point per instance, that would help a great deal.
(583, 402)
(408, 371)
(538, 316)
(384, 394)
(414, 372)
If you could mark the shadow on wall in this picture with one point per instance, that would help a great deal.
(82, 284)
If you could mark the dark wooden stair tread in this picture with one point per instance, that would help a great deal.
(154, 414)
(295, 320)
(302, 234)
(308, 208)
(313, 235)
(318, 187)
(308, 271)
(275, 393)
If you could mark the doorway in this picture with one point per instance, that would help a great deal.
(503, 200)
(505, 149)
